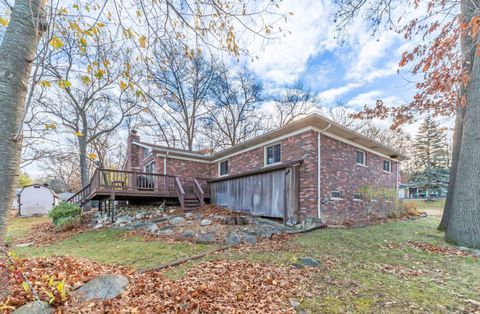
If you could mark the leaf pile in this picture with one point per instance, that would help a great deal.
(213, 287)
(42, 272)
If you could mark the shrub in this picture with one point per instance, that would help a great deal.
(409, 208)
(65, 215)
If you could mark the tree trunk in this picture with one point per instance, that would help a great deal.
(17, 52)
(464, 218)
(82, 145)
(457, 139)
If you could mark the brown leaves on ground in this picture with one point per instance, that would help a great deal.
(445, 250)
(220, 286)
(400, 271)
(45, 233)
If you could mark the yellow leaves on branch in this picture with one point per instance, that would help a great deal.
(52, 126)
(123, 85)
(142, 41)
(3, 21)
(92, 156)
(64, 84)
(79, 134)
(86, 80)
(45, 83)
(56, 43)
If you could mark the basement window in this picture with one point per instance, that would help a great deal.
(357, 196)
(272, 154)
(361, 160)
(336, 195)
(387, 166)
(223, 168)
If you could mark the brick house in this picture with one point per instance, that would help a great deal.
(312, 169)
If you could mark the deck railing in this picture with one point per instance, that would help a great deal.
(199, 191)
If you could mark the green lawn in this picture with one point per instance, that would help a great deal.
(371, 269)
(110, 247)
(19, 227)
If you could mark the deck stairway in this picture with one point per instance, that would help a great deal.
(108, 184)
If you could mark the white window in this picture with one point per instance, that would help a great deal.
(336, 195)
(387, 165)
(272, 154)
(361, 160)
(223, 168)
(146, 152)
(150, 168)
(357, 196)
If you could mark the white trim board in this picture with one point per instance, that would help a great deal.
(184, 158)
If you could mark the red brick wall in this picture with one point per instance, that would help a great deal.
(134, 152)
(185, 169)
(339, 171)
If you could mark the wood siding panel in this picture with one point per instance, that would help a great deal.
(260, 194)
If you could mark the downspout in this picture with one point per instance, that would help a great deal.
(319, 197)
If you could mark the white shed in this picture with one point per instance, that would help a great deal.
(36, 200)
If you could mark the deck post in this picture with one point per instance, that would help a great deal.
(113, 206)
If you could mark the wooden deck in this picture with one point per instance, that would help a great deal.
(108, 184)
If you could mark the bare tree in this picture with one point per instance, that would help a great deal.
(91, 94)
(233, 112)
(343, 116)
(179, 88)
(294, 102)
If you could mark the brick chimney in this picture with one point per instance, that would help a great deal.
(133, 151)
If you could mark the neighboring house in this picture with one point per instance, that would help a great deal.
(36, 199)
(312, 169)
(64, 196)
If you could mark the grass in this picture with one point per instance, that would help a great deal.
(110, 246)
(19, 227)
(423, 282)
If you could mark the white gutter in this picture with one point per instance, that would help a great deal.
(319, 145)
(165, 163)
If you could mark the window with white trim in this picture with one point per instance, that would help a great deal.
(272, 154)
(146, 152)
(387, 165)
(336, 195)
(223, 168)
(361, 157)
(357, 196)
(150, 167)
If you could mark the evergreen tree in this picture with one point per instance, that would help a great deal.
(431, 159)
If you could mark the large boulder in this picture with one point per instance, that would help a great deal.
(205, 222)
(307, 262)
(103, 287)
(249, 238)
(36, 307)
(177, 221)
(206, 238)
(232, 239)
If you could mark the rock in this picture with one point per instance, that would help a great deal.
(165, 231)
(205, 222)
(27, 244)
(152, 228)
(103, 287)
(198, 216)
(249, 238)
(177, 221)
(188, 234)
(123, 220)
(98, 226)
(139, 215)
(307, 262)
(36, 307)
(158, 220)
(206, 238)
(232, 239)
(189, 216)
(295, 303)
